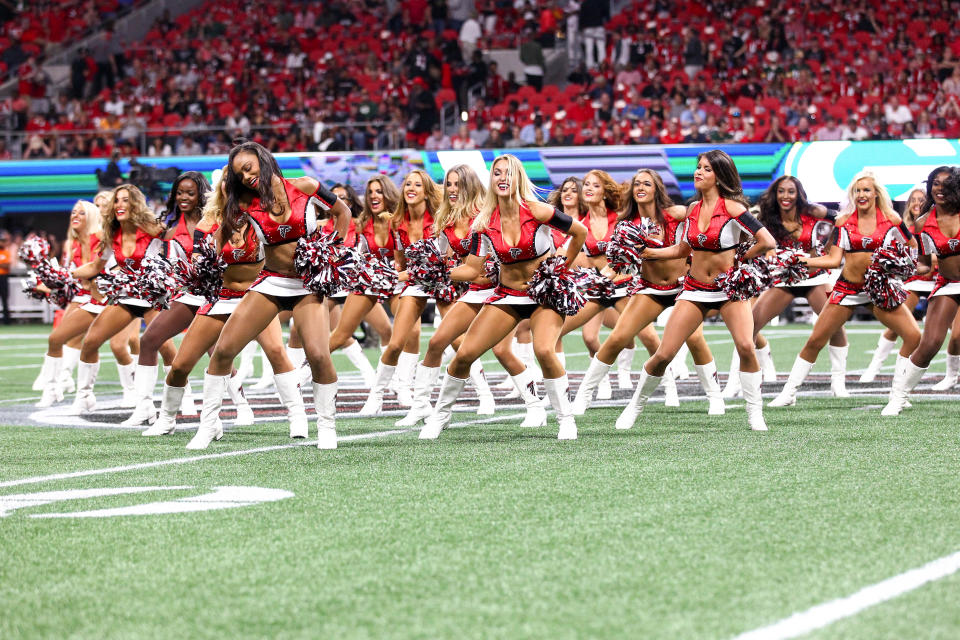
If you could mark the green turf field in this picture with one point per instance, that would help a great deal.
(684, 527)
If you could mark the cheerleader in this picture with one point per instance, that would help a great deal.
(380, 195)
(798, 224)
(657, 287)
(184, 208)
(464, 196)
(516, 228)
(921, 283)
(867, 223)
(243, 255)
(410, 222)
(129, 233)
(939, 235)
(282, 211)
(63, 344)
(715, 225)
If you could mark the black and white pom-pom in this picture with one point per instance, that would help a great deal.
(895, 260)
(746, 280)
(203, 274)
(61, 283)
(627, 243)
(31, 287)
(594, 284)
(33, 251)
(156, 282)
(786, 267)
(428, 269)
(492, 269)
(885, 291)
(118, 284)
(554, 286)
(317, 261)
(370, 273)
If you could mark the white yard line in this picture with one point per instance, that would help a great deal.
(829, 612)
(231, 454)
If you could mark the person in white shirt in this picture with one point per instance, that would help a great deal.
(470, 33)
(896, 113)
(853, 130)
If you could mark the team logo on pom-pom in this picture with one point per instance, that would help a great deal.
(866, 242)
(702, 239)
(516, 253)
(284, 229)
(239, 253)
(953, 243)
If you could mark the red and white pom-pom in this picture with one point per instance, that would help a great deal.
(492, 270)
(895, 260)
(31, 287)
(61, 283)
(317, 260)
(369, 273)
(156, 282)
(627, 243)
(594, 284)
(33, 251)
(203, 274)
(787, 268)
(428, 269)
(885, 291)
(746, 280)
(118, 284)
(554, 286)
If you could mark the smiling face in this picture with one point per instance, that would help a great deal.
(246, 166)
(643, 188)
(500, 179)
(188, 196)
(452, 187)
(374, 197)
(704, 178)
(341, 193)
(936, 188)
(787, 196)
(78, 218)
(865, 195)
(569, 195)
(915, 202)
(592, 190)
(121, 204)
(413, 193)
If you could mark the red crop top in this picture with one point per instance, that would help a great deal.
(303, 216)
(367, 241)
(461, 247)
(180, 246)
(402, 232)
(934, 242)
(884, 234)
(76, 252)
(351, 239)
(722, 234)
(146, 245)
(593, 246)
(536, 238)
(814, 234)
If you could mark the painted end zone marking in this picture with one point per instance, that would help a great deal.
(824, 614)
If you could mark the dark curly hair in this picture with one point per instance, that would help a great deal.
(770, 209)
(171, 216)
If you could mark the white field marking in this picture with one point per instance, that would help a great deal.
(229, 454)
(829, 612)
(219, 498)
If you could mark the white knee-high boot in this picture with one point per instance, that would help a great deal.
(45, 378)
(556, 390)
(670, 396)
(144, 379)
(325, 404)
(266, 374)
(245, 370)
(750, 383)
(374, 403)
(169, 406)
(766, 364)
(838, 371)
(423, 382)
(679, 364)
(486, 405)
(624, 367)
(950, 379)
(406, 366)
(443, 409)
(732, 388)
(86, 377)
(210, 429)
(707, 374)
(646, 385)
(354, 353)
(529, 360)
(880, 353)
(51, 391)
(788, 395)
(906, 377)
(288, 388)
(239, 399)
(125, 372)
(597, 370)
(536, 415)
(71, 357)
(188, 405)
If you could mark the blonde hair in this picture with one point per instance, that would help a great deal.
(469, 199)
(212, 213)
(391, 196)
(522, 190)
(140, 214)
(883, 198)
(92, 213)
(907, 213)
(431, 193)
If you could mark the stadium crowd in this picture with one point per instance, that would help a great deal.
(362, 74)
